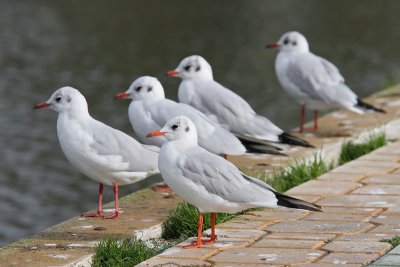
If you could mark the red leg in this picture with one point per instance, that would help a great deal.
(199, 232)
(116, 213)
(315, 120)
(225, 156)
(161, 188)
(100, 208)
(213, 236)
(302, 115)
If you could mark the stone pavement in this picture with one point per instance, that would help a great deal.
(361, 204)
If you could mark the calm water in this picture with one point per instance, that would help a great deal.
(101, 46)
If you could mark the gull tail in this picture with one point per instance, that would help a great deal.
(260, 148)
(362, 104)
(294, 203)
(289, 139)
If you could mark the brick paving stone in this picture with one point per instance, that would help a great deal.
(392, 178)
(168, 262)
(349, 258)
(242, 222)
(358, 247)
(392, 211)
(357, 211)
(324, 187)
(396, 251)
(388, 150)
(275, 215)
(382, 219)
(379, 157)
(286, 243)
(378, 189)
(320, 227)
(244, 265)
(388, 260)
(360, 201)
(365, 237)
(248, 234)
(301, 236)
(362, 169)
(194, 253)
(330, 265)
(375, 163)
(337, 176)
(386, 229)
(221, 243)
(267, 256)
(333, 217)
(396, 171)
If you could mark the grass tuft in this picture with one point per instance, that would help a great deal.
(351, 151)
(395, 241)
(299, 173)
(182, 222)
(111, 252)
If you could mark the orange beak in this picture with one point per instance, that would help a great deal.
(121, 95)
(42, 105)
(155, 133)
(274, 45)
(173, 73)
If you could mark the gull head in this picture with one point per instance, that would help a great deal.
(291, 42)
(65, 99)
(145, 87)
(178, 128)
(192, 67)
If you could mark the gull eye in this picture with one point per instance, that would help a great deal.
(149, 89)
(286, 41)
(187, 68)
(58, 99)
(138, 88)
(294, 43)
(175, 126)
(198, 68)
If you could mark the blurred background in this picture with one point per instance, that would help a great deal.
(100, 47)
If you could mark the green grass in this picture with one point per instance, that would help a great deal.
(395, 241)
(111, 252)
(351, 151)
(390, 81)
(182, 222)
(299, 173)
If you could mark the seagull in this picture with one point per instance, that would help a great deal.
(199, 89)
(149, 110)
(102, 153)
(209, 182)
(312, 80)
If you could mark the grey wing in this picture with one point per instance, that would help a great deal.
(315, 77)
(222, 178)
(118, 151)
(216, 99)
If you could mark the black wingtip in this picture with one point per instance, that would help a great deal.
(362, 104)
(260, 148)
(289, 139)
(294, 203)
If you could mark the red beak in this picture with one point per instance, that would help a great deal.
(121, 95)
(173, 73)
(155, 133)
(274, 45)
(42, 105)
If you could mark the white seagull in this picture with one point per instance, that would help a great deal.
(208, 181)
(149, 110)
(312, 80)
(199, 89)
(102, 153)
